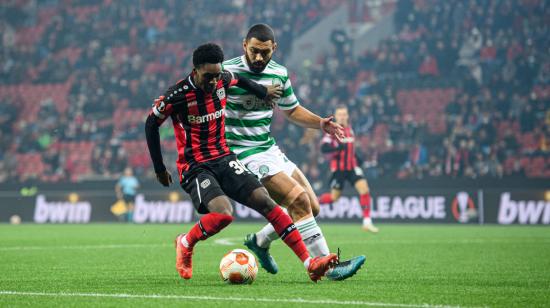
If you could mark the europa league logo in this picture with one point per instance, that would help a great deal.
(463, 207)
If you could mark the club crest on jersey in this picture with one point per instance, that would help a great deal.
(221, 93)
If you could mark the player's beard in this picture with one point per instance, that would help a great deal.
(258, 66)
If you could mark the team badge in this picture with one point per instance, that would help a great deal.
(221, 93)
(264, 169)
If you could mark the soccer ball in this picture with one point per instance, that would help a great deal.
(238, 267)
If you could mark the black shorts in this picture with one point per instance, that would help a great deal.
(128, 198)
(339, 178)
(222, 176)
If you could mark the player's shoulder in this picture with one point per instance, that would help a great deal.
(276, 69)
(233, 63)
(177, 91)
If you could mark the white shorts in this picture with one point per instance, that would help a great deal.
(268, 163)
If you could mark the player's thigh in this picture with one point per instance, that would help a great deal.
(203, 187)
(362, 186)
(299, 176)
(220, 204)
(338, 180)
(283, 188)
(335, 194)
(237, 181)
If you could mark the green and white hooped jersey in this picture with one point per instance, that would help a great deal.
(248, 118)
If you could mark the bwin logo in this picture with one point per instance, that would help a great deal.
(193, 119)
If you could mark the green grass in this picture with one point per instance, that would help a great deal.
(412, 265)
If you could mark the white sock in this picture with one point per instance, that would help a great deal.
(313, 237)
(266, 235)
(367, 221)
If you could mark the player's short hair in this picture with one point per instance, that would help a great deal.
(341, 106)
(207, 53)
(261, 32)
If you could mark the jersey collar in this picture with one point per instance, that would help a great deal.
(190, 80)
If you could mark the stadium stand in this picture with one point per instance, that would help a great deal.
(452, 93)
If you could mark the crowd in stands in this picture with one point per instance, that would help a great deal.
(461, 89)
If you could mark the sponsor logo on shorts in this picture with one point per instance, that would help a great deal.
(205, 183)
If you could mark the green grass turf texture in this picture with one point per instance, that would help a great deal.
(467, 266)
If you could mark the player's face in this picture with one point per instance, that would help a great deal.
(207, 76)
(258, 53)
(341, 116)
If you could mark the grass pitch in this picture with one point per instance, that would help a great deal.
(407, 266)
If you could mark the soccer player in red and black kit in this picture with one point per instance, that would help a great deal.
(209, 172)
(344, 167)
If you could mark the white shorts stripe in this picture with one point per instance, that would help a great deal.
(198, 189)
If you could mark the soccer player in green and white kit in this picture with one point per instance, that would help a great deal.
(248, 122)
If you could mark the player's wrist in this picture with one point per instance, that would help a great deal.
(160, 169)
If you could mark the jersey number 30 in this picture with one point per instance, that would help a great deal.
(238, 166)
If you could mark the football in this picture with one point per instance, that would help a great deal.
(238, 267)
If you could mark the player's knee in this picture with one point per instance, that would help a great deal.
(220, 205)
(315, 207)
(300, 207)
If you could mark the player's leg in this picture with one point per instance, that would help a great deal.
(290, 193)
(362, 188)
(250, 192)
(343, 269)
(288, 186)
(337, 181)
(282, 223)
(208, 199)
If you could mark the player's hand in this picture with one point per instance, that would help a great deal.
(274, 92)
(164, 178)
(332, 128)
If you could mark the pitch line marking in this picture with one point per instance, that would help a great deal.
(228, 241)
(235, 299)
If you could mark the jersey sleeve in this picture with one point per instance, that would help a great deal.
(161, 110)
(229, 79)
(288, 100)
(329, 144)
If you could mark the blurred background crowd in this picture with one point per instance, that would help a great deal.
(460, 89)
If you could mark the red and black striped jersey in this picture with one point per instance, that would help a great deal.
(197, 118)
(341, 153)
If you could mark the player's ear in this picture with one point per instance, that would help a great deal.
(244, 45)
(274, 46)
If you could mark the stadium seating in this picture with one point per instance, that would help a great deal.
(123, 56)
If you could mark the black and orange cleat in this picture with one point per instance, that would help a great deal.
(318, 266)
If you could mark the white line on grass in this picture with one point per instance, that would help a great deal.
(228, 241)
(230, 299)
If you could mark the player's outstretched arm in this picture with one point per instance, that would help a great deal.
(152, 124)
(303, 117)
